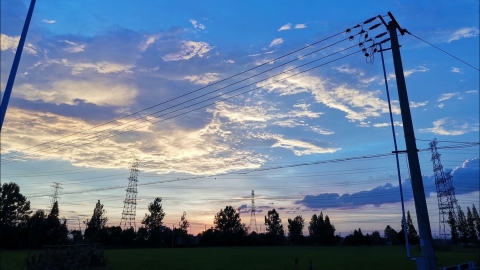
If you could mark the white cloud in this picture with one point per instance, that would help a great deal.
(149, 40)
(300, 26)
(101, 93)
(456, 70)
(450, 127)
(100, 67)
(11, 43)
(322, 131)
(202, 79)
(162, 147)
(187, 50)
(395, 123)
(441, 105)
(348, 70)
(298, 147)
(358, 105)
(466, 32)
(287, 26)
(197, 25)
(447, 96)
(48, 21)
(74, 47)
(276, 41)
(417, 104)
(408, 72)
(471, 91)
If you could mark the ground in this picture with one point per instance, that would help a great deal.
(390, 257)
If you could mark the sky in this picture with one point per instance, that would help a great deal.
(217, 99)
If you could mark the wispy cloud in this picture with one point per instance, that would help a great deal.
(471, 92)
(74, 47)
(417, 104)
(188, 49)
(197, 25)
(202, 79)
(11, 43)
(450, 127)
(287, 26)
(48, 21)
(322, 131)
(466, 32)
(456, 70)
(276, 42)
(300, 26)
(298, 147)
(395, 123)
(447, 96)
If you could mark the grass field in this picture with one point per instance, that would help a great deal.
(260, 258)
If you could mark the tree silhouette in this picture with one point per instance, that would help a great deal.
(96, 223)
(316, 228)
(329, 232)
(228, 220)
(452, 222)
(273, 223)
(472, 233)
(295, 228)
(57, 231)
(184, 224)
(462, 226)
(476, 217)
(14, 207)
(154, 220)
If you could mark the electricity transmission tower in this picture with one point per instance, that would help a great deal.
(445, 192)
(57, 189)
(253, 220)
(130, 202)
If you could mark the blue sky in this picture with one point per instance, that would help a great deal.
(87, 63)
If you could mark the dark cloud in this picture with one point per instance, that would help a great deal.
(465, 180)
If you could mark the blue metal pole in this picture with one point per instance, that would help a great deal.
(16, 62)
(396, 155)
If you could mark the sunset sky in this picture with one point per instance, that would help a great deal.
(218, 113)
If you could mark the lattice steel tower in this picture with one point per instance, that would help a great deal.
(253, 220)
(57, 189)
(130, 202)
(445, 192)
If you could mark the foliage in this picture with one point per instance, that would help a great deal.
(74, 258)
(228, 220)
(321, 230)
(462, 226)
(295, 228)
(14, 207)
(184, 224)
(476, 217)
(472, 233)
(154, 220)
(273, 223)
(452, 222)
(390, 235)
(413, 238)
(96, 223)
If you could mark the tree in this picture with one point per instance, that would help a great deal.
(273, 223)
(57, 232)
(295, 227)
(36, 229)
(14, 207)
(477, 219)
(413, 238)
(184, 224)
(472, 233)
(316, 228)
(228, 221)
(329, 232)
(154, 220)
(96, 223)
(462, 226)
(376, 238)
(453, 228)
(390, 235)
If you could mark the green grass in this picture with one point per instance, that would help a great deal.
(260, 258)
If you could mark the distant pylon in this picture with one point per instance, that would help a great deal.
(253, 220)
(57, 189)
(445, 192)
(130, 202)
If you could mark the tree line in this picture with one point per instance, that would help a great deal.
(21, 228)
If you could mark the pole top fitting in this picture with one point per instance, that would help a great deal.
(395, 24)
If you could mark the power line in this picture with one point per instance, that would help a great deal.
(441, 50)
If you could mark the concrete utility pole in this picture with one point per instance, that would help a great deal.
(16, 62)
(425, 231)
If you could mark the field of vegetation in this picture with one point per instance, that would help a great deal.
(390, 257)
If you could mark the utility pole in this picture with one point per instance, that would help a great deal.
(423, 220)
(130, 202)
(253, 219)
(16, 62)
